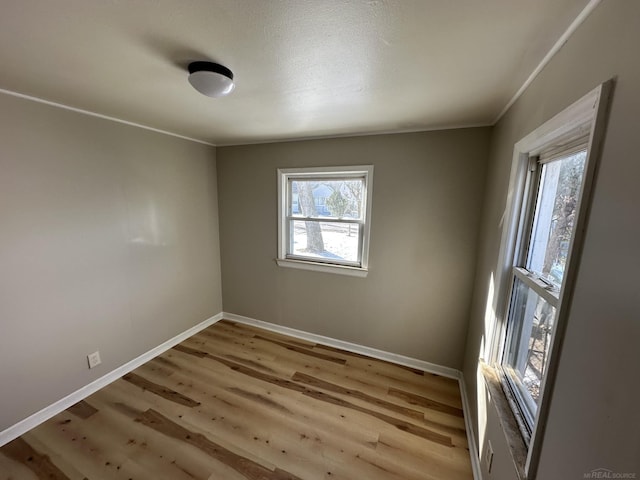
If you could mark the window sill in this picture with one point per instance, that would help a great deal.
(323, 267)
(508, 422)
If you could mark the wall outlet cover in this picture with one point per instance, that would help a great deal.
(94, 359)
(488, 458)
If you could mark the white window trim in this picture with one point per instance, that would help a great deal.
(341, 171)
(587, 116)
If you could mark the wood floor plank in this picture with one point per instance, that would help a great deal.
(378, 373)
(254, 361)
(237, 402)
(303, 350)
(443, 392)
(14, 470)
(445, 463)
(40, 464)
(414, 399)
(160, 390)
(266, 355)
(324, 385)
(236, 328)
(108, 446)
(65, 441)
(246, 467)
(82, 409)
(348, 354)
(152, 453)
(276, 356)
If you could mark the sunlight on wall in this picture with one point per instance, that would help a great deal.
(146, 226)
(489, 322)
(486, 343)
(482, 409)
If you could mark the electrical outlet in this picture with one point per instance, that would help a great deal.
(488, 458)
(94, 359)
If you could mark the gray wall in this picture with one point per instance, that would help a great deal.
(594, 419)
(426, 202)
(108, 240)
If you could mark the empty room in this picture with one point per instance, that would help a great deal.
(309, 239)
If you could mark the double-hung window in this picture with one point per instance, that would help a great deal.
(552, 173)
(324, 218)
(549, 217)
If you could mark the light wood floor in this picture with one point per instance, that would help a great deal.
(236, 402)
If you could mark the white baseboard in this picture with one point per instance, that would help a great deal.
(348, 346)
(46, 413)
(471, 437)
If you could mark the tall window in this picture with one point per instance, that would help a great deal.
(552, 173)
(324, 218)
(538, 274)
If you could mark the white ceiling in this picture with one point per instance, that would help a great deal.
(303, 68)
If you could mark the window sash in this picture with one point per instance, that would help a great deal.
(326, 177)
(320, 179)
(302, 218)
(520, 403)
(567, 148)
(523, 402)
(549, 292)
(296, 256)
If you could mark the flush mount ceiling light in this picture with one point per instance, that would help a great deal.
(211, 79)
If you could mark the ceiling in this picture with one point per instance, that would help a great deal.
(303, 68)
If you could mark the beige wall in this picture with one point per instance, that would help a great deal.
(594, 419)
(108, 241)
(426, 200)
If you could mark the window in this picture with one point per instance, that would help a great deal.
(538, 274)
(552, 172)
(324, 218)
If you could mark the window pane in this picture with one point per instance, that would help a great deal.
(333, 242)
(554, 219)
(531, 318)
(327, 198)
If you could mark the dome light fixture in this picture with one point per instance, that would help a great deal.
(211, 79)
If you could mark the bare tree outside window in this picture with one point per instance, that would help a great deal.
(346, 200)
(315, 244)
(560, 184)
(564, 212)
